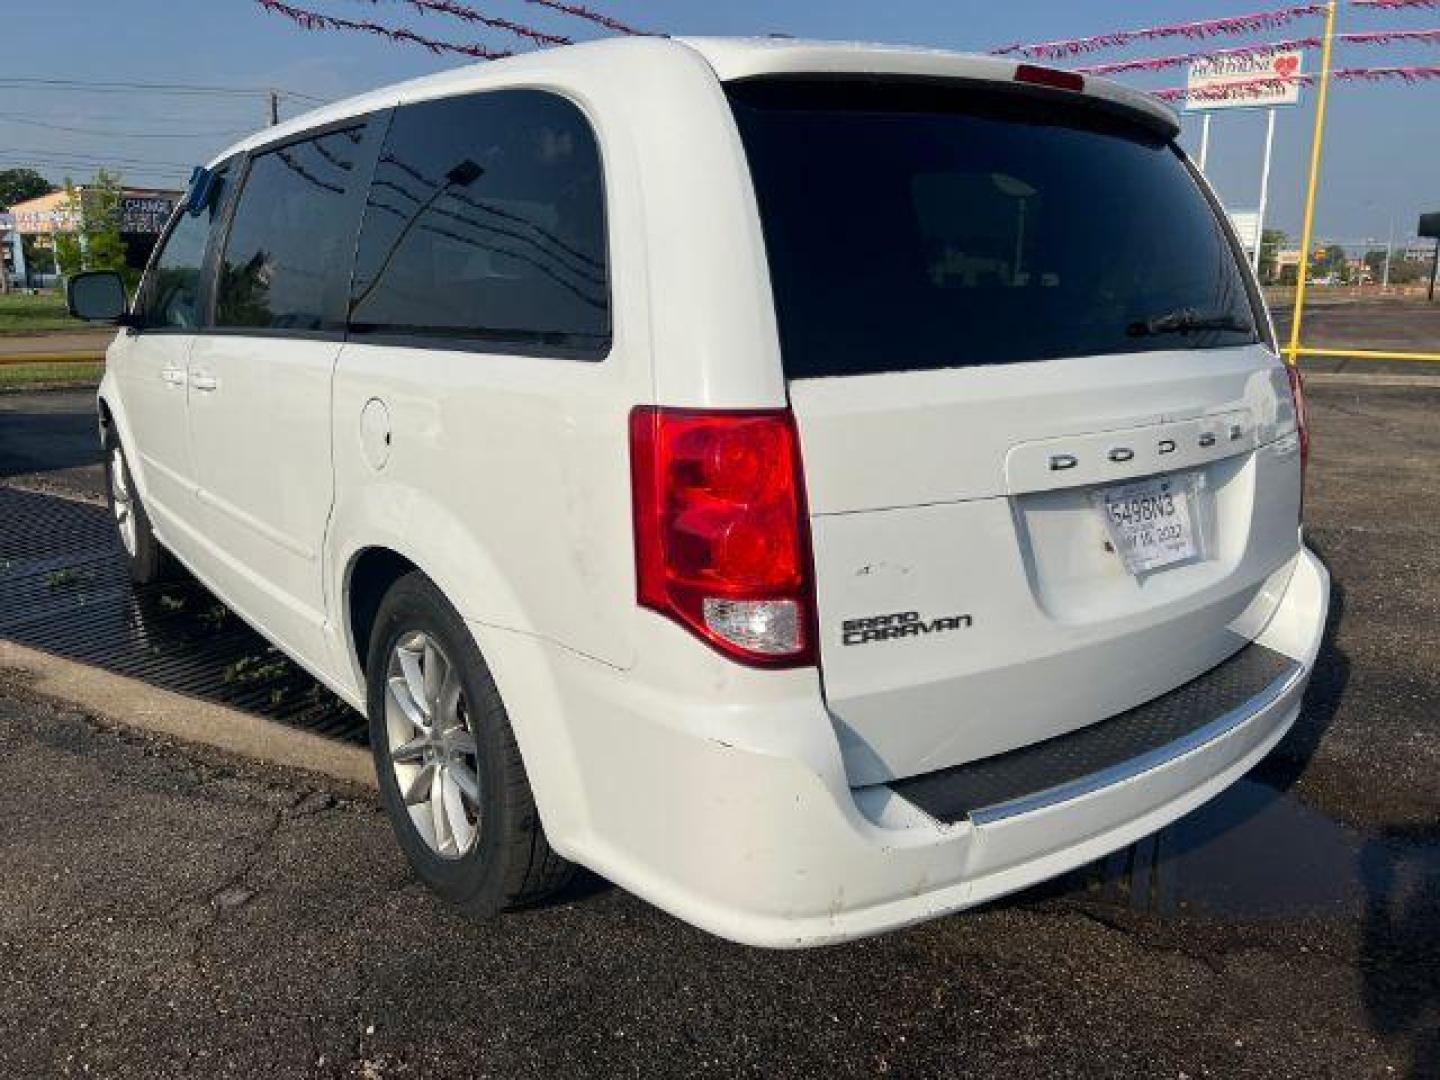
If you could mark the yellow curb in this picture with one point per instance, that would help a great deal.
(1365, 354)
(139, 705)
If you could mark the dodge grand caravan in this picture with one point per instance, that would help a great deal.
(816, 487)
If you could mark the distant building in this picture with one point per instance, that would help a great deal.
(144, 212)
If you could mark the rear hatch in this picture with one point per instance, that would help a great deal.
(1050, 457)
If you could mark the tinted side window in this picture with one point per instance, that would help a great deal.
(486, 223)
(171, 297)
(291, 237)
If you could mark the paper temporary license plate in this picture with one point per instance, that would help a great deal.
(1150, 522)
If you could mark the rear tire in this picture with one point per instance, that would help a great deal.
(449, 769)
(145, 556)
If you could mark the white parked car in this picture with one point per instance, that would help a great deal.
(817, 487)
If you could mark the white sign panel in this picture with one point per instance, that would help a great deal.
(1247, 227)
(1261, 80)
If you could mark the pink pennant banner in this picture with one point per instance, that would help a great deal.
(1235, 24)
(469, 14)
(1160, 63)
(1248, 86)
(311, 20)
(596, 17)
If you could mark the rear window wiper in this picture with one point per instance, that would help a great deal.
(1188, 320)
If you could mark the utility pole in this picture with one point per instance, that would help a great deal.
(1389, 250)
(274, 107)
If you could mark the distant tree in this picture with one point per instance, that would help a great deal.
(69, 246)
(1271, 241)
(17, 185)
(1328, 262)
(102, 223)
(96, 242)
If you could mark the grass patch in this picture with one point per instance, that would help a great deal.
(21, 313)
(50, 376)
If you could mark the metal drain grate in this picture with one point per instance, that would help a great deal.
(64, 589)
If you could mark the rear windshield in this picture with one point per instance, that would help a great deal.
(916, 226)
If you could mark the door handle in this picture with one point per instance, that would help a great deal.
(173, 376)
(205, 383)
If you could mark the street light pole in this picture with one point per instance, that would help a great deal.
(1389, 248)
(1264, 192)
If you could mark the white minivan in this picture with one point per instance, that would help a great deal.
(817, 487)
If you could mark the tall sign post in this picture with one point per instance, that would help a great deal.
(1430, 226)
(1260, 80)
(1317, 150)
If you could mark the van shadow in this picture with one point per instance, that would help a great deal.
(1401, 975)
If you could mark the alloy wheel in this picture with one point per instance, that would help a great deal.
(122, 501)
(432, 746)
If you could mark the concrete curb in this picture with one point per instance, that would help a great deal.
(1343, 378)
(139, 705)
(17, 358)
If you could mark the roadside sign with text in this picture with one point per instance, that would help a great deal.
(1260, 80)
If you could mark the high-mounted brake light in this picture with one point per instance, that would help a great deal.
(721, 544)
(1052, 77)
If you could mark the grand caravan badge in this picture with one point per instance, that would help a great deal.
(902, 624)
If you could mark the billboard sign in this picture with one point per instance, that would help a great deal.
(1429, 225)
(1259, 80)
(1247, 228)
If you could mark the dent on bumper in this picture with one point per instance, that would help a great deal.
(764, 849)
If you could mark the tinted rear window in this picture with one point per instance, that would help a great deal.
(485, 224)
(918, 226)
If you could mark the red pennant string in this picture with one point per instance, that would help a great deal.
(1238, 89)
(1237, 24)
(471, 15)
(1159, 63)
(310, 20)
(589, 16)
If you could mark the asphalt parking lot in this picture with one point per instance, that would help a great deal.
(171, 910)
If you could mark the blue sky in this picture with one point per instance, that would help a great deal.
(1384, 158)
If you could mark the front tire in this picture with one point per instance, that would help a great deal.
(450, 773)
(145, 557)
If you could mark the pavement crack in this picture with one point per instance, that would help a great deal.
(1142, 941)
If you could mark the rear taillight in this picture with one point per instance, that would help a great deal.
(1302, 425)
(721, 544)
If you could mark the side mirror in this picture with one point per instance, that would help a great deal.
(96, 296)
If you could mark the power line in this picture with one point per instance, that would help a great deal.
(180, 89)
(22, 151)
(16, 118)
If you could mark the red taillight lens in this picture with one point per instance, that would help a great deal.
(721, 544)
(1297, 391)
(1051, 77)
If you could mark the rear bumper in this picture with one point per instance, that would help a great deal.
(761, 841)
